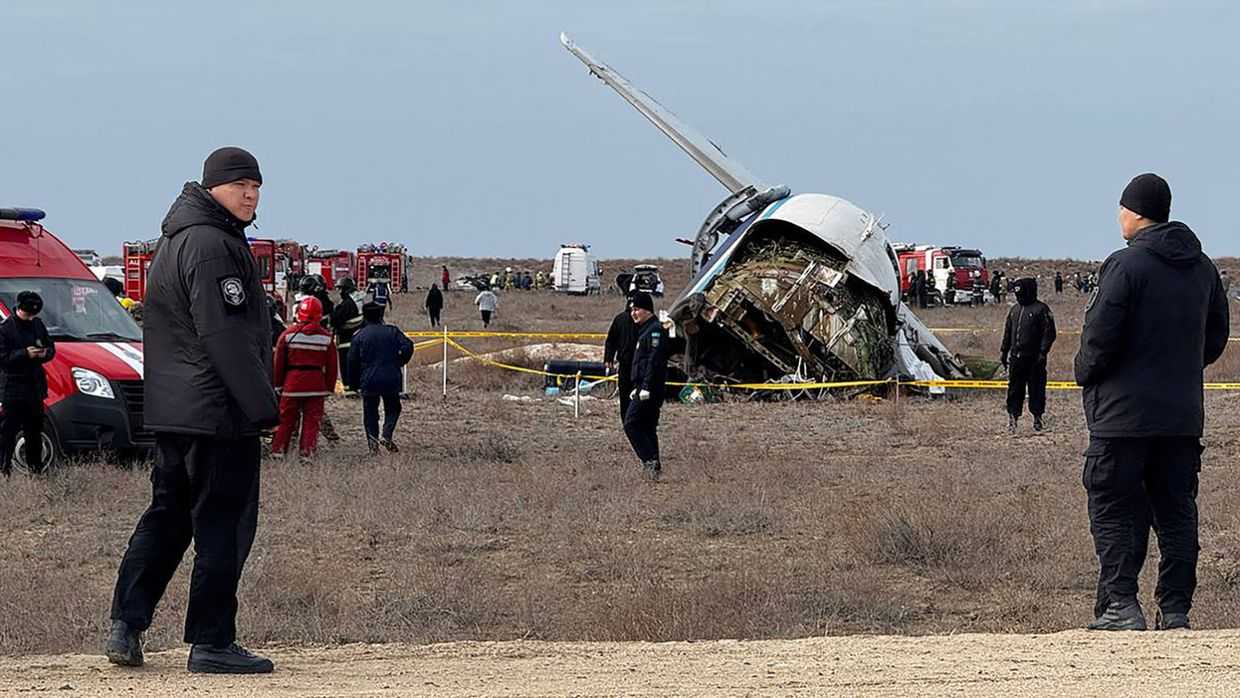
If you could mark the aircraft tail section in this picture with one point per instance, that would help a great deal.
(704, 152)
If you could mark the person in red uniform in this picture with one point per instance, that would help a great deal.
(305, 374)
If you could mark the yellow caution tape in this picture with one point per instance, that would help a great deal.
(827, 385)
(417, 334)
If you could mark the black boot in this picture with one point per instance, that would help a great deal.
(1120, 615)
(390, 446)
(1172, 621)
(1037, 422)
(651, 470)
(233, 659)
(1012, 423)
(124, 645)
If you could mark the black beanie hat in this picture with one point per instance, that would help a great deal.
(30, 302)
(643, 301)
(1148, 196)
(228, 165)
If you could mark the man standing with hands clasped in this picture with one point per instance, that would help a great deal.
(207, 335)
(1157, 318)
(648, 378)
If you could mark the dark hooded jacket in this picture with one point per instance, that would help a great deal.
(621, 344)
(22, 379)
(434, 299)
(377, 354)
(207, 326)
(1030, 329)
(1157, 318)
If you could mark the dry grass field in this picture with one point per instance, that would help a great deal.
(504, 520)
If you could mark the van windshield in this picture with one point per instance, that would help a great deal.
(967, 262)
(75, 310)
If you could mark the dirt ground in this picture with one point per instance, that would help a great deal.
(1072, 663)
(506, 532)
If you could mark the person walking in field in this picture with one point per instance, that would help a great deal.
(305, 373)
(434, 305)
(487, 302)
(1159, 316)
(446, 278)
(377, 356)
(649, 376)
(1028, 336)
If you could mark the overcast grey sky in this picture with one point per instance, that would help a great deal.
(464, 128)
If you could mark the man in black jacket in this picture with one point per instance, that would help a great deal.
(1027, 338)
(207, 336)
(378, 354)
(346, 320)
(649, 376)
(618, 353)
(1157, 318)
(24, 347)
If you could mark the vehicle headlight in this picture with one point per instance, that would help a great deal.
(90, 383)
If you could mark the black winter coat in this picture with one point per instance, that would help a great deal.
(434, 300)
(650, 358)
(1157, 318)
(621, 343)
(376, 355)
(207, 328)
(22, 378)
(1029, 331)
(346, 320)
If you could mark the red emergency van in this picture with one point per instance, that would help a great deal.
(94, 400)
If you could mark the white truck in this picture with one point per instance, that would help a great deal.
(575, 270)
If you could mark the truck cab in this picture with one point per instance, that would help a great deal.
(952, 269)
(95, 399)
(382, 263)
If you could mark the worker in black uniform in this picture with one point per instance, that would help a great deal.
(649, 376)
(1159, 316)
(208, 396)
(24, 347)
(1028, 336)
(618, 353)
(346, 321)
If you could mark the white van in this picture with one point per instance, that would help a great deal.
(575, 270)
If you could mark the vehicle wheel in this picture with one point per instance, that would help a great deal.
(51, 453)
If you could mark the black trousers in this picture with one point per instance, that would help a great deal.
(624, 385)
(1133, 484)
(205, 490)
(342, 362)
(1026, 374)
(641, 425)
(22, 417)
(370, 415)
(434, 314)
(486, 318)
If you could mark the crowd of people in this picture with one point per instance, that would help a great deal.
(217, 377)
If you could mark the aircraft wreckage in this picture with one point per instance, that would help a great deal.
(786, 286)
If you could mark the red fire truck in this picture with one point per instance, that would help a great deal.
(138, 257)
(952, 268)
(384, 262)
(332, 265)
(137, 260)
(290, 266)
(94, 399)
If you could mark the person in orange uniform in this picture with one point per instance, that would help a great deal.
(306, 366)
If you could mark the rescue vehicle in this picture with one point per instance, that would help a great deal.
(953, 269)
(332, 265)
(94, 400)
(136, 258)
(382, 262)
(575, 270)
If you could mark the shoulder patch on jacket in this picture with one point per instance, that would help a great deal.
(232, 291)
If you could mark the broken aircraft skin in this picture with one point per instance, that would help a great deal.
(803, 287)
